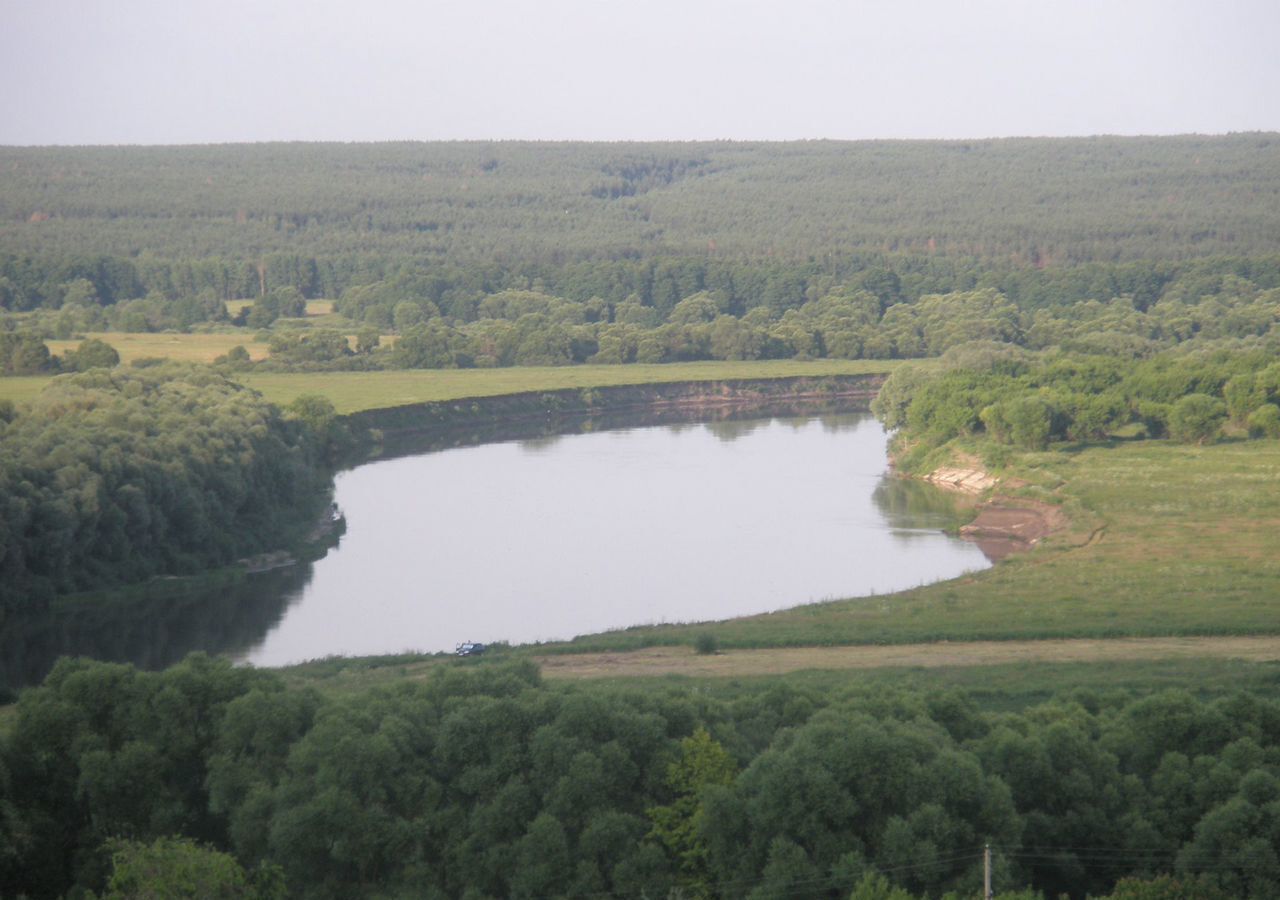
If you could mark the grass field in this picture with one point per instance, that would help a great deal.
(682, 660)
(356, 391)
(315, 308)
(23, 388)
(994, 685)
(184, 347)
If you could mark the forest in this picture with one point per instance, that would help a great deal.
(1016, 399)
(483, 781)
(325, 216)
(1056, 299)
(115, 476)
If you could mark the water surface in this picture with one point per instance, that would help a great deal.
(551, 538)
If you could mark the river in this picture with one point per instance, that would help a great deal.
(545, 539)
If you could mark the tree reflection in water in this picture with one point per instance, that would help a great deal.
(152, 627)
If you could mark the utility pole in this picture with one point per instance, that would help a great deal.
(986, 872)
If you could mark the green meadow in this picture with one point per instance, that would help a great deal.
(357, 391)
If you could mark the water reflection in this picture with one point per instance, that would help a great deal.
(151, 627)
(539, 444)
(915, 508)
(537, 433)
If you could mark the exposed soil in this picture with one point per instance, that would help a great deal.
(1006, 525)
(964, 480)
(739, 663)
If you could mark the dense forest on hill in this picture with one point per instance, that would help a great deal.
(1034, 201)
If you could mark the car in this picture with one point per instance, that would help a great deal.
(470, 648)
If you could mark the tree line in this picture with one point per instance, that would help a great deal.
(871, 315)
(79, 278)
(481, 781)
(1020, 400)
(513, 328)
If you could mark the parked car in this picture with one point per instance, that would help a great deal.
(470, 648)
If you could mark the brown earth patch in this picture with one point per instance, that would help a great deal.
(1004, 525)
(776, 661)
(1007, 525)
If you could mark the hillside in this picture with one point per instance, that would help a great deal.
(1038, 201)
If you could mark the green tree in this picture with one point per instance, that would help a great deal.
(875, 886)
(24, 354)
(1243, 394)
(1030, 422)
(1196, 419)
(703, 763)
(92, 354)
(237, 358)
(1166, 887)
(323, 345)
(181, 869)
(1265, 421)
(789, 873)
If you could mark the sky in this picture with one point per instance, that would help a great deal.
(213, 71)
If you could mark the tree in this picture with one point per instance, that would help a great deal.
(281, 302)
(703, 763)
(309, 347)
(789, 873)
(695, 310)
(92, 354)
(237, 358)
(1030, 422)
(1265, 421)
(875, 886)
(544, 864)
(1196, 419)
(1165, 887)
(1243, 394)
(24, 354)
(181, 869)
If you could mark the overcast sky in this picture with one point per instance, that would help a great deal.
(197, 71)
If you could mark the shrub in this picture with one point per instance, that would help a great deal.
(706, 644)
(1265, 421)
(1196, 418)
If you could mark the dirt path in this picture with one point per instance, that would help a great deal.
(683, 660)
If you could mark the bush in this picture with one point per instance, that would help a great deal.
(706, 644)
(1196, 418)
(92, 354)
(1265, 421)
